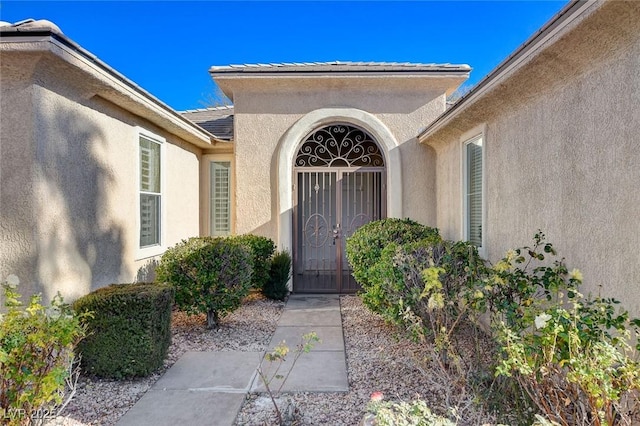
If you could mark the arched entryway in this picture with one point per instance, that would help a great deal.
(339, 185)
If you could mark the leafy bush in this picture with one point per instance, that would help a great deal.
(209, 275)
(364, 248)
(433, 284)
(262, 248)
(570, 353)
(129, 330)
(277, 287)
(414, 413)
(36, 354)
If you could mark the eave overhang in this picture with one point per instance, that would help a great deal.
(105, 82)
(531, 48)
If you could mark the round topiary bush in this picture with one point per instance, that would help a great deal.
(365, 246)
(210, 275)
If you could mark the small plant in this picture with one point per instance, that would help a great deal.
(414, 413)
(278, 356)
(210, 275)
(277, 286)
(36, 356)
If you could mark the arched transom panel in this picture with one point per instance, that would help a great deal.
(339, 145)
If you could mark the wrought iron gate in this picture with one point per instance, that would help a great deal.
(340, 186)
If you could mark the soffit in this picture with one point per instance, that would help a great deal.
(581, 36)
(63, 61)
(378, 76)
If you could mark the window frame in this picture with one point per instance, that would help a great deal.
(144, 252)
(478, 134)
(207, 217)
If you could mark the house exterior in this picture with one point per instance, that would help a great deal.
(309, 152)
(549, 140)
(321, 148)
(96, 175)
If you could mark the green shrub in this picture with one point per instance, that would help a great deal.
(365, 246)
(262, 248)
(129, 330)
(277, 286)
(36, 354)
(209, 275)
(570, 353)
(427, 286)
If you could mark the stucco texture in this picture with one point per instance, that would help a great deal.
(69, 184)
(562, 154)
(264, 117)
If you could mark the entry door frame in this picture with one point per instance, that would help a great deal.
(339, 238)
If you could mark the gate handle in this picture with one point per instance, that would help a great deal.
(336, 233)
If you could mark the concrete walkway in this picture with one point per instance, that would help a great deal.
(208, 388)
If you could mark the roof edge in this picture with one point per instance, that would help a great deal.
(337, 67)
(558, 22)
(198, 133)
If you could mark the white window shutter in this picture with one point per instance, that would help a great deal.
(220, 197)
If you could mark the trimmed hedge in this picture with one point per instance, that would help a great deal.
(209, 275)
(262, 248)
(129, 331)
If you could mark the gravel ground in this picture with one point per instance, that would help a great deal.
(103, 402)
(377, 361)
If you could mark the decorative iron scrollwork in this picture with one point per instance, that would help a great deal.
(316, 231)
(339, 145)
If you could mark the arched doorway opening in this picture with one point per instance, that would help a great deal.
(339, 185)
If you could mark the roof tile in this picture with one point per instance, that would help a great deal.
(340, 66)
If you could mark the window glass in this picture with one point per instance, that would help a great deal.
(150, 194)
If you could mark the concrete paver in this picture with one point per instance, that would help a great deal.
(313, 301)
(331, 338)
(184, 407)
(214, 371)
(210, 387)
(311, 317)
(313, 372)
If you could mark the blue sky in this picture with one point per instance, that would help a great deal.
(166, 47)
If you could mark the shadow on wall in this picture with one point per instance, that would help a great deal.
(79, 245)
(147, 272)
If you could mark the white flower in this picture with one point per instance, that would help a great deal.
(575, 274)
(541, 320)
(53, 312)
(12, 281)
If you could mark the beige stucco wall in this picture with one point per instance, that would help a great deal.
(563, 157)
(69, 186)
(264, 120)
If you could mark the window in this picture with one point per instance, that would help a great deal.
(220, 198)
(150, 192)
(473, 191)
